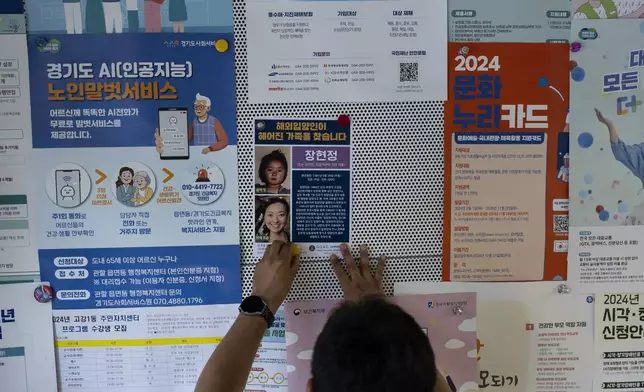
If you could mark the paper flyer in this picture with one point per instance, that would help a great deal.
(18, 252)
(509, 21)
(303, 184)
(506, 162)
(619, 344)
(530, 338)
(27, 361)
(606, 198)
(323, 51)
(453, 337)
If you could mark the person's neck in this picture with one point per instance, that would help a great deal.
(277, 237)
(273, 188)
(203, 118)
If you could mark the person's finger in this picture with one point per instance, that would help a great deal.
(348, 259)
(380, 268)
(339, 272)
(267, 251)
(285, 252)
(156, 132)
(295, 264)
(364, 263)
(276, 249)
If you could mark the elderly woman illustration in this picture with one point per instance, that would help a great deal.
(143, 192)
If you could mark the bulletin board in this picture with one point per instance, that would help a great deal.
(397, 192)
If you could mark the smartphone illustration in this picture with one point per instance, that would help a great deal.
(173, 129)
(68, 188)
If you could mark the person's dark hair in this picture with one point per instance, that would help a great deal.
(123, 169)
(261, 212)
(372, 346)
(275, 155)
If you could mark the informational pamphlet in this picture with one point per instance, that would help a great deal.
(619, 342)
(606, 198)
(27, 361)
(509, 21)
(530, 337)
(303, 51)
(506, 162)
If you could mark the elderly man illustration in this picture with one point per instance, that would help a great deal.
(609, 9)
(205, 130)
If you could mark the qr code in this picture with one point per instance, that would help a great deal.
(408, 72)
(561, 224)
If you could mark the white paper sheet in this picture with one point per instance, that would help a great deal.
(347, 50)
(27, 361)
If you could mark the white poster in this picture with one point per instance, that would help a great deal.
(619, 342)
(17, 251)
(155, 349)
(26, 341)
(530, 338)
(346, 51)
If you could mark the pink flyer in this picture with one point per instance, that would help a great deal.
(452, 335)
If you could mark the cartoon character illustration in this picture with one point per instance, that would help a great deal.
(610, 9)
(73, 16)
(124, 187)
(272, 172)
(132, 7)
(564, 170)
(113, 16)
(630, 156)
(204, 130)
(152, 15)
(94, 17)
(143, 192)
(178, 15)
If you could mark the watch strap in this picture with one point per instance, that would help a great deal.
(268, 315)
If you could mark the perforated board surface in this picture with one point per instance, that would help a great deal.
(397, 194)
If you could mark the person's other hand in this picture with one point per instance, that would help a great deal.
(158, 141)
(275, 273)
(602, 119)
(360, 282)
(205, 150)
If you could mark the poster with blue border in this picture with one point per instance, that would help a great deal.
(136, 169)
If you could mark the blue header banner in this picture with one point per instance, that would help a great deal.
(107, 90)
(301, 132)
(104, 278)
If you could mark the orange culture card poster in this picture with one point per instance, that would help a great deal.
(506, 162)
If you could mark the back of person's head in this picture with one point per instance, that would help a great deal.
(372, 346)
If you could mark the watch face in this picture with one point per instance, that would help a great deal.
(252, 304)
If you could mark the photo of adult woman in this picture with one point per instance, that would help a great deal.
(271, 220)
(143, 192)
(272, 172)
(124, 186)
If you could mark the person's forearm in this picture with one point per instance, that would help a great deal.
(441, 383)
(612, 133)
(228, 367)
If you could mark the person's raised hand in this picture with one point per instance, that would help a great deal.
(602, 119)
(275, 273)
(359, 283)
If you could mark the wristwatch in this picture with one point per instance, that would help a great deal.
(255, 306)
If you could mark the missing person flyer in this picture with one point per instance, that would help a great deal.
(303, 184)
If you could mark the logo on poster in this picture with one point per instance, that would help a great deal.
(48, 45)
